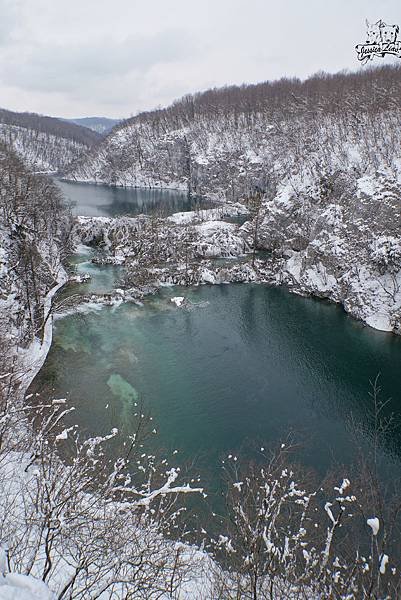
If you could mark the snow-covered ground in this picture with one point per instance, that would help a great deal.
(14, 586)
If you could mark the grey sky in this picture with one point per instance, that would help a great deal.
(115, 57)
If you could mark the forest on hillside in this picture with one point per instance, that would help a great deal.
(45, 143)
(235, 141)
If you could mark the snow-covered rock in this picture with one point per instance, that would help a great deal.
(162, 239)
(344, 246)
(327, 163)
(209, 214)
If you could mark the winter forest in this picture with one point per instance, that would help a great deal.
(200, 319)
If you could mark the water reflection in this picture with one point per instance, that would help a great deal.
(104, 201)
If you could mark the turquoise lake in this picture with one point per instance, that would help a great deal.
(240, 364)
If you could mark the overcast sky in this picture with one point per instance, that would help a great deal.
(115, 57)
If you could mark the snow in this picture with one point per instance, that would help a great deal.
(34, 356)
(212, 227)
(345, 484)
(284, 195)
(212, 214)
(294, 265)
(219, 239)
(43, 152)
(23, 587)
(207, 276)
(337, 263)
(366, 185)
(178, 300)
(63, 435)
(327, 508)
(374, 524)
(379, 321)
(166, 489)
(351, 253)
(383, 563)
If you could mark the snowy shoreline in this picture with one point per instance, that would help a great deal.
(174, 186)
(147, 184)
(32, 358)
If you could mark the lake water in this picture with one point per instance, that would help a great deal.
(91, 200)
(241, 363)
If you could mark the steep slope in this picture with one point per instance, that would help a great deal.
(45, 143)
(340, 240)
(34, 230)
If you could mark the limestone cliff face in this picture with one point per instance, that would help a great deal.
(340, 240)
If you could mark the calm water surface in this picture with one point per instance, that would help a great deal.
(91, 200)
(240, 363)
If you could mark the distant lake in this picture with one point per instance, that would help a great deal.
(90, 200)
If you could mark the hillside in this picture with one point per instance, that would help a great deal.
(45, 143)
(233, 141)
(34, 228)
(102, 125)
(324, 158)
